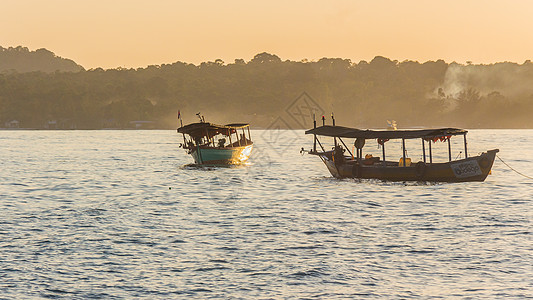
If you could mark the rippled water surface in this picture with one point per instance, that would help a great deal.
(121, 215)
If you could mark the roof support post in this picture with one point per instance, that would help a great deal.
(314, 135)
(466, 150)
(383, 147)
(430, 154)
(403, 150)
(449, 149)
(199, 154)
(207, 136)
(184, 139)
(424, 150)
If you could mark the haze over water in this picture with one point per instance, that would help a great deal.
(120, 215)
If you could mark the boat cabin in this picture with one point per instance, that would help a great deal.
(209, 135)
(381, 137)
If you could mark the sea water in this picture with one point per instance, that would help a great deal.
(122, 215)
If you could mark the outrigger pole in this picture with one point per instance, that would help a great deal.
(346, 147)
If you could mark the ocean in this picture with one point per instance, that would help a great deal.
(123, 214)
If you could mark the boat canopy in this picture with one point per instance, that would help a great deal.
(345, 132)
(203, 129)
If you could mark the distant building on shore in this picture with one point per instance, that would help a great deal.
(12, 124)
(142, 124)
(60, 124)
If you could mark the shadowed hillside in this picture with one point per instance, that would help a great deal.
(21, 59)
(265, 91)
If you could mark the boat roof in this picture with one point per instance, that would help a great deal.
(203, 128)
(346, 132)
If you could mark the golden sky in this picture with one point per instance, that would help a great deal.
(134, 33)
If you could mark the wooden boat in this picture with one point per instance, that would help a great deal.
(211, 144)
(354, 165)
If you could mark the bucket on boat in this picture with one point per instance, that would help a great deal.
(407, 162)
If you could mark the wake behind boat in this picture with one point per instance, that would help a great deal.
(211, 144)
(475, 168)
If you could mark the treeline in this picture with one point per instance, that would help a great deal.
(265, 91)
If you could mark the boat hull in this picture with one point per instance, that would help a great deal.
(221, 156)
(474, 168)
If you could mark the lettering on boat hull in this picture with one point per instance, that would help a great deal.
(466, 169)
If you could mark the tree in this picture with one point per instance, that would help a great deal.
(264, 57)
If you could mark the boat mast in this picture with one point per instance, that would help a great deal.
(181, 125)
(334, 138)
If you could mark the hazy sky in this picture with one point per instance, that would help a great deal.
(133, 33)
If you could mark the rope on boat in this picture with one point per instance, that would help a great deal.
(513, 169)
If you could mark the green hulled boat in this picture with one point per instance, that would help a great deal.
(211, 144)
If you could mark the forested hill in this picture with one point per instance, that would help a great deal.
(21, 59)
(273, 93)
